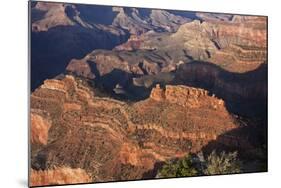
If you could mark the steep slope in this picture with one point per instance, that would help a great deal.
(113, 140)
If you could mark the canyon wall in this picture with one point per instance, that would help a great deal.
(108, 138)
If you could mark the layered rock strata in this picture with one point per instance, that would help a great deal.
(113, 140)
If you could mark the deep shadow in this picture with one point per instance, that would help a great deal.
(251, 143)
(52, 50)
(98, 14)
(107, 82)
(244, 94)
(152, 173)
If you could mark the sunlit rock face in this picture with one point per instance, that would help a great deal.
(103, 132)
(60, 175)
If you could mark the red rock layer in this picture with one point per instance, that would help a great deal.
(113, 140)
(58, 176)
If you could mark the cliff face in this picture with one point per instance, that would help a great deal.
(186, 96)
(244, 93)
(236, 43)
(109, 138)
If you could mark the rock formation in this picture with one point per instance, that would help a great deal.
(49, 15)
(58, 176)
(237, 45)
(116, 92)
(186, 96)
(108, 138)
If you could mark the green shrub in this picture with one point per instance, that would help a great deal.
(223, 163)
(194, 165)
(179, 168)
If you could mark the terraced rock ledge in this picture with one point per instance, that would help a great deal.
(113, 140)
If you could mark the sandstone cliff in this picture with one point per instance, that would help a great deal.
(186, 96)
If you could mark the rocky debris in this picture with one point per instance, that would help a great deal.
(106, 137)
(58, 176)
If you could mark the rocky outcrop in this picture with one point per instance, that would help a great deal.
(185, 96)
(57, 176)
(108, 138)
(101, 62)
(80, 68)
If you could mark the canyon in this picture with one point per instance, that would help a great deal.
(116, 92)
(135, 137)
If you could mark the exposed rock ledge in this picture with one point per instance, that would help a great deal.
(185, 96)
(120, 137)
